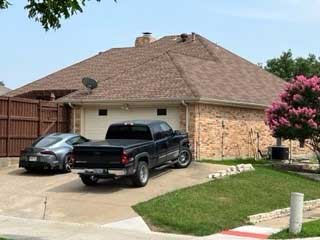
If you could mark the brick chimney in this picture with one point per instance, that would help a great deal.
(145, 40)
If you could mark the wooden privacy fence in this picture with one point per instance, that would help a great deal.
(24, 120)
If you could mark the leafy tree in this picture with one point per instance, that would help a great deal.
(283, 66)
(296, 115)
(50, 12)
(1, 83)
(308, 67)
(287, 67)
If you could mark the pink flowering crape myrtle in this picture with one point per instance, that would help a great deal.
(296, 115)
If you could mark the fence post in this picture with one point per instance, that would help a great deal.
(40, 118)
(58, 116)
(296, 212)
(8, 127)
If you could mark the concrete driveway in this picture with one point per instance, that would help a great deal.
(67, 199)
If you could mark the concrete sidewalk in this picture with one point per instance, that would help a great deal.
(32, 229)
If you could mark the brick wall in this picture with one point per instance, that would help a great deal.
(217, 132)
(227, 132)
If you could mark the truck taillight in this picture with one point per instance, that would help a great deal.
(124, 158)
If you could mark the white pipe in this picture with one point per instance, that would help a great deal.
(296, 212)
(187, 115)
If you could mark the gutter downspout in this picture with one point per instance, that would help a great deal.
(187, 115)
(73, 116)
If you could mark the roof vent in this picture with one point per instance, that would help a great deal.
(147, 34)
(184, 37)
(193, 36)
(145, 40)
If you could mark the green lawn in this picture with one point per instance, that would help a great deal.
(310, 229)
(224, 204)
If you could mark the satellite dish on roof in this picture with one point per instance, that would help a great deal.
(89, 83)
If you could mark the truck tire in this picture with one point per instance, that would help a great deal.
(141, 176)
(89, 180)
(185, 158)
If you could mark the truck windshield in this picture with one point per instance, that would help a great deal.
(129, 132)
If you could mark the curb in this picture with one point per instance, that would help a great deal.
(233, 170)
(284, 212)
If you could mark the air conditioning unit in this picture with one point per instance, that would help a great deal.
(279, 153)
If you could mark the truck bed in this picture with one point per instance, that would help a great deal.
(122, 143)
(103, 154)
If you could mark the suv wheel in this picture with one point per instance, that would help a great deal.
(141, 176)
(185, 158)
(89, 180)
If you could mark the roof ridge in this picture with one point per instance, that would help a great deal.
(183, 76)
(160, 54)
(214, 55)
(201, 38)
(192, 56)
(135, 66)
(122, 72)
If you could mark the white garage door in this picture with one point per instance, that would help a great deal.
(97, 120)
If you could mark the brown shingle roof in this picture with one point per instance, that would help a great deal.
(167, 69)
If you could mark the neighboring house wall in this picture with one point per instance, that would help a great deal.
(4, 90)
(218, 132)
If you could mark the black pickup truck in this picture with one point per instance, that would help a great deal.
(132, 148)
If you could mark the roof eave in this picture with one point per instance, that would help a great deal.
(124, 101)
(213, 101)
(228, 103)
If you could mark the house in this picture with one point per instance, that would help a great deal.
(4, 90)
(186, 80)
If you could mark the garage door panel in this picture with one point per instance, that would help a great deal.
(95, 126)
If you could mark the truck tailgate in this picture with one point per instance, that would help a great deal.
(97, 157)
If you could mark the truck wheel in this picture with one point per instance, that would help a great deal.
(89, 180)
(141, 176)
(185, 158)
